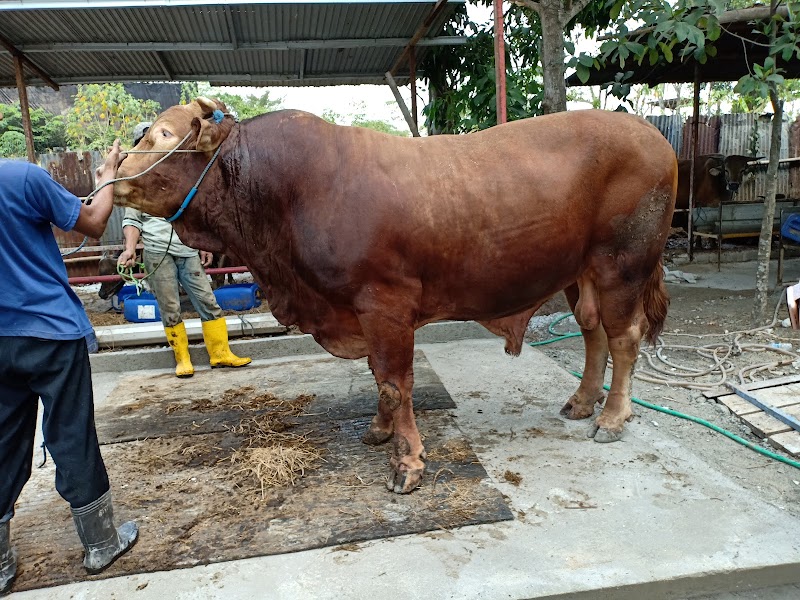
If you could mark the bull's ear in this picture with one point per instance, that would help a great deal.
(208, 105)
(211, 135)
(715, 172)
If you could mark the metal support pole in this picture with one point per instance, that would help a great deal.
(499, 62)
(24, 108)
(402, 104)
(412, 65)
(692, 156)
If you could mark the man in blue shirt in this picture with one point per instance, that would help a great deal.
(43, 354)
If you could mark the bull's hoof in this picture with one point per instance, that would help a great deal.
(404, 482)
(603, 435)
(575, 410)
(405, 472)
(375, 437)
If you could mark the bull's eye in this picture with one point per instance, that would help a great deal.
(166, 133)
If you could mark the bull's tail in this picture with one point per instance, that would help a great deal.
(655, 301)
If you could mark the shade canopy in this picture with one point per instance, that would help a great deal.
(738, 49)
(251, 42)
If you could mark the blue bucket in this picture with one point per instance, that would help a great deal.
(791, 228)
(118, 299)
(238, 296)
(141, 309)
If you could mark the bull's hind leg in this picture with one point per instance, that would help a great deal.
(583, 300)
(624, 321)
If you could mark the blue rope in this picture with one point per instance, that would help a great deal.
(193, 191)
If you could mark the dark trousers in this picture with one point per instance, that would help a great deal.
(58, 372)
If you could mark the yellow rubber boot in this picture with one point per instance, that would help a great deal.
(215, 334)
(176, 336)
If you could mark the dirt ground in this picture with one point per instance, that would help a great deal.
(701, 311)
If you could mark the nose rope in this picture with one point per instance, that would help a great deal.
(147, 170)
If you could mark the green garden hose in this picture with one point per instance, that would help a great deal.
(704, 423)
(669, 411)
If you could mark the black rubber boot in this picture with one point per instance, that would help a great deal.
(101, 540)
(8, 559)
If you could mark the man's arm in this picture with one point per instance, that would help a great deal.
(93, 218)
(128, 255)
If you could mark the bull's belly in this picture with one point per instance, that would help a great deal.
(486, 299)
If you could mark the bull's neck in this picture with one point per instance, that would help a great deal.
(238, 200)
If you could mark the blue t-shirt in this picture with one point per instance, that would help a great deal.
(35, 297)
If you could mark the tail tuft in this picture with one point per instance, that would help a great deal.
(656, 301)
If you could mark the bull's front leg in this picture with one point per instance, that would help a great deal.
(391, 348)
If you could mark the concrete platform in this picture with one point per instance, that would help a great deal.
(644, 518)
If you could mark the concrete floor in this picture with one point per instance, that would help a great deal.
(642, 518)
(739, 276)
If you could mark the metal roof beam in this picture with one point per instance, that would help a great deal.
(160, 58)
(18, 54)
(227, 78)
(421, 32)
(231, 28)
(217, 46)
(63, 4)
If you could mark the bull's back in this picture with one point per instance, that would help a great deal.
(515, 208)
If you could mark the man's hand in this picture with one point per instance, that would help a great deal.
(93, 217)
(127, 258)
(206, 258)
(108, 170)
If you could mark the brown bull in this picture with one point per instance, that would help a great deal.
(716, 178)
(359, 238)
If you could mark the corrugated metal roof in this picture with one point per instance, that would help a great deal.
(237, 43)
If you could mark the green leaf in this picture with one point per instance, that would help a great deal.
(713, 30)
(583, 73)
(776, 78)
(636, 48)
(682, 31)
(585, 60)
(666, 50)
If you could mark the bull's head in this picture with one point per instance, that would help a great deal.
(108, 266)
(732, 169)
(161, 191)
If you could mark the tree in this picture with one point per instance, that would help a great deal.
(12, 144)
(49, 131)
(248, 106)
(359, 119)
(556, 17)
(103, 112)
(461, 79)
(687, 30)
(244, 107)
